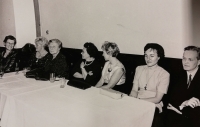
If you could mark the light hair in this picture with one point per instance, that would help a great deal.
(57, 41)
(43, 41)
(111, 48)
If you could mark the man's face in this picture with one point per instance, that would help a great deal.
(190, 61)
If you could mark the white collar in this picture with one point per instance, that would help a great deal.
(193, 72)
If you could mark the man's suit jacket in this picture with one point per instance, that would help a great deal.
(182, 92)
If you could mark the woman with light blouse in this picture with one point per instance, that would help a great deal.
(113, 74)
(151, 81)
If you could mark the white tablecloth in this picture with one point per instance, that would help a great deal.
(45, 104)
(13, 84)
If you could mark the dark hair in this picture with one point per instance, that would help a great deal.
(157, 47)
(11, 38)
(28, 48)
(193, 48)
(91, 49)
(111, 48)
(57, 41)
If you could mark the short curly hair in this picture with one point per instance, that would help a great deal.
(43, 40)
(111, 48)
(91, 49)
(157, 47)
(57, 41)
(11, 38)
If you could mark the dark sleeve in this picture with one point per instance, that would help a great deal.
(197, 92)
(175, 99)
(178, 95)
(11, 61)
(26, 60)
(60, 67)
(31, 61)
(76, 68)
(1, 57)
(95, 68)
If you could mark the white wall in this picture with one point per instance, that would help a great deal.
(7, 21)
(129, 23)
(24, 22)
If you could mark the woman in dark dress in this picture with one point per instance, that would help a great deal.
(88, 69)
(8, 54)
(41, 55)
(56, 63)
(53, 62)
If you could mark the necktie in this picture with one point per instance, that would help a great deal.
(190, 79)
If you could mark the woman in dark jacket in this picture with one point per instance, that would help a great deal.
(41, 55)
(56, 62)
(89, 68)
(8, 54)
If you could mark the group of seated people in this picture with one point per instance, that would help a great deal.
(150, 83)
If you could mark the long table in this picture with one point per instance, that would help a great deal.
(30, 103)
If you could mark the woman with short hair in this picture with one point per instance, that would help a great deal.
(151, 81)
(42, 54)
(89, 68)
(113, 74)
(56, 63)
(8, 54)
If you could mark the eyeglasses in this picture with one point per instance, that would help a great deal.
(10, 43)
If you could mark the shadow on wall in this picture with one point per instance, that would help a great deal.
(195, 10)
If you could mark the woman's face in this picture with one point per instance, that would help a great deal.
(9, 44)
(39, 46)
(105, 55)
(151, 57)
(54, 48)
(84, 54)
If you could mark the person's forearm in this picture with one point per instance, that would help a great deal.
(99, 84)
(84, 73)
(152, 99)
(78, 75)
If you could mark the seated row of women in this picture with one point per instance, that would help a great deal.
(150, 82)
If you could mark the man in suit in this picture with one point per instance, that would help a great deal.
(184, 104)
